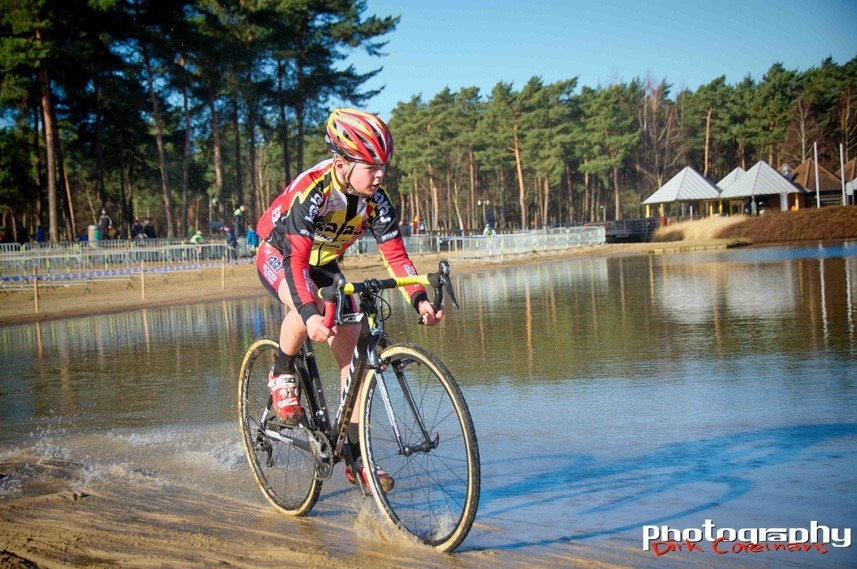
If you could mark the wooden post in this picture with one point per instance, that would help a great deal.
(143, 279)
(36, 288)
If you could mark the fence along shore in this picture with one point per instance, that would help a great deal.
(34, 265)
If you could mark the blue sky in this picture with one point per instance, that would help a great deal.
(455, 44)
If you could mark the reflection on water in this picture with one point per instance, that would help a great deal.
(606, 393)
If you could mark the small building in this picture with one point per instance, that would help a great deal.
(687, 190)
(831, 186)
(762, 188)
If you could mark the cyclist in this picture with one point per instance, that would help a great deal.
(316, 218)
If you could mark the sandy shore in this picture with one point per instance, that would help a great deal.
(241, 281)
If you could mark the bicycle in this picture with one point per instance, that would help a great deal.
(413, 421)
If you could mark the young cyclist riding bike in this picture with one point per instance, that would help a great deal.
(316, 218)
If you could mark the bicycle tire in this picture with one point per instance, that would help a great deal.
(284, 472)
(436, 493)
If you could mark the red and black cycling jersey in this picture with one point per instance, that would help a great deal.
(314, 220)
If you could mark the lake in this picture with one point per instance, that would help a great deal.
(611, 397)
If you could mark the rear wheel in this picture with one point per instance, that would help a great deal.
(434, 459)
(280, 456)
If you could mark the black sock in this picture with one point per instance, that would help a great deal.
(284, 363)
(353, 438)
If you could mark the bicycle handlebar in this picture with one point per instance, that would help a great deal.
(335, 295)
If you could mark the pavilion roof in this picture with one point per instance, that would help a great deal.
(759, 180)
(804, 176)
(687, 185)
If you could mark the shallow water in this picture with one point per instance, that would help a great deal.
(607, 395)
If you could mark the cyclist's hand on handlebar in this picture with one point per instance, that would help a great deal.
(428, 315)
(316, 329)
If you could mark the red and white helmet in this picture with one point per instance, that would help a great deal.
(358, 135)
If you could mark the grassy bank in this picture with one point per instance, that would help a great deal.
(836, 222)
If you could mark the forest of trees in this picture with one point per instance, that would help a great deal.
(180, 110)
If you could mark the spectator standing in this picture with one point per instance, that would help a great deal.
(149, 229)
(252, 240)
(23, 234)
(238, 220)
(40, 234)
(231, 241)
(137, 229)
(198, 240)
(104, 223)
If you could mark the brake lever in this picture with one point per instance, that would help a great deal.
(439, 281)
(334, 301)
(447, 283)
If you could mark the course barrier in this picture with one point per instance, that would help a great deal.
(492, 247)
(88, 264)
(84, 263)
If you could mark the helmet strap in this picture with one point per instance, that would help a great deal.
(347, 182)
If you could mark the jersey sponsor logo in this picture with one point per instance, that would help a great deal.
(270, 274)
(306, 233)
(275, 263)
(315, 201)
(308, 282)
(333, 229)
(389, 235)
(382, 206)
(275, 213)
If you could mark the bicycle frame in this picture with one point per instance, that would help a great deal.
(365, 356)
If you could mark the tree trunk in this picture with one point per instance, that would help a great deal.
(473, 181)
(218, 160)
(707, 141)
(435, 199)
(299, 127)
(618, 214)
(522, 192)
(416, 210)
(587, 195)
(284, 125)
(159, 137)
(37, 168)
(50, 159)
(99, 140)
(451, 196)
(546, 202)
(570, 194)
(250, 200)
(123, 193)
(502, 194)
(183, 222)
(68, 210)
(239, 177)
(546, 187)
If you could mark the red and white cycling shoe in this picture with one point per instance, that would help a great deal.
(386, 481)
(286, 394)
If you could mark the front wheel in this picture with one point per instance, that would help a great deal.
(280, 456)
(415, 425)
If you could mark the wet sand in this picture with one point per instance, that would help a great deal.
(55, 521)
(240, 281)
